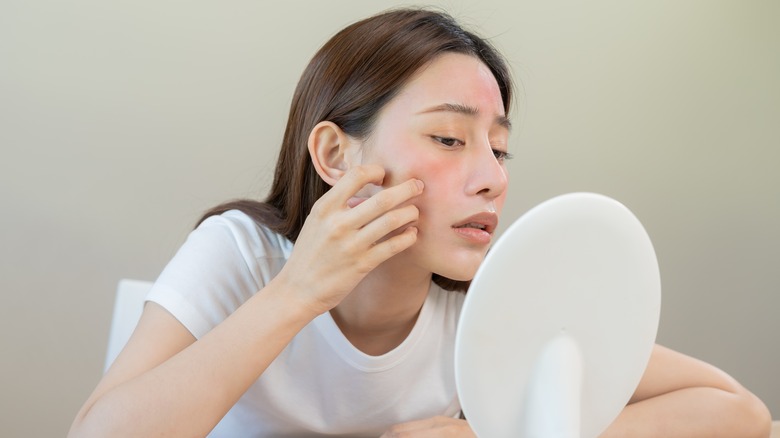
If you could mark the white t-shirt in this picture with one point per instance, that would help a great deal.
(320, 384)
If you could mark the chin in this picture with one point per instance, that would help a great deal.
(458, 277)
(455, 263)
(459, 271)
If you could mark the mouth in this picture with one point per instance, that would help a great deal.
(486, 222)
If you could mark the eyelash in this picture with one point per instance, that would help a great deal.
(501, 155)
(450, 142)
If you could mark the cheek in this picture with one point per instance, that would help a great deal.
(407, 164)
(441, 188)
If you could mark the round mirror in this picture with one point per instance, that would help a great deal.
(559, 322)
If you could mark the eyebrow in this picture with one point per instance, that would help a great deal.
(467, 111)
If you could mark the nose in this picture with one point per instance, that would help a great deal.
(487, 175)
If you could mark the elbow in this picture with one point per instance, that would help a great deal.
(757, 418)
(763, 421)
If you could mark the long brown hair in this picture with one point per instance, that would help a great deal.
(347, 82)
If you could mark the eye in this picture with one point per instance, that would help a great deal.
(501, 155)
(447, 141)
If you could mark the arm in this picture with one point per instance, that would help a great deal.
(440, 426)
(166, 383)
(680, 396)
(159, 387)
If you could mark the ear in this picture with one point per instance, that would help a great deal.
(331, 151)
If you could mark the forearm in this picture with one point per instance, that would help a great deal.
(189, 393)
(163, 383)
(694, 412)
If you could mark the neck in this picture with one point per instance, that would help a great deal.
(382, 310)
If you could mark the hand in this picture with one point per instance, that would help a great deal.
(432, 427)
(343, 240)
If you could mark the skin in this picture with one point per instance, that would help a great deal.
(453, 153)
(387, 224)
(460, 159)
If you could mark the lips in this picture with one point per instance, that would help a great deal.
(482, 221)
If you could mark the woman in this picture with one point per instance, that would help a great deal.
(389, 183)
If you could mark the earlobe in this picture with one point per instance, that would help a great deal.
(329, 149)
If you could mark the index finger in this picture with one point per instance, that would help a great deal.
(355, 179)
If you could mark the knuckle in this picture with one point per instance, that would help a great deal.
(393, 220)
(350, 246)
(359, 172)
(365, 173)
(393, 246)
(364, 266)
(382, 202)
(319, 207)
(400, 242)
(316, 212)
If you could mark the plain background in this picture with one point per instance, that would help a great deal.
(120, 122)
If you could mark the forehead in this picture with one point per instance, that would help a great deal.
(454, 78)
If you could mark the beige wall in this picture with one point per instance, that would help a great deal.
(121, 121)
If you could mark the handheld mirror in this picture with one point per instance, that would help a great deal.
(559, 322)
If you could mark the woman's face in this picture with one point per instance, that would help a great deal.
(447, 127)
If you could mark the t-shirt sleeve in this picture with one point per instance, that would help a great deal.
(222, 263)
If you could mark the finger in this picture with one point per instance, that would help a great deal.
(355, 201)
(388, 223)
(355, 179)
(386, 200)
(425, 427)
(382, 251)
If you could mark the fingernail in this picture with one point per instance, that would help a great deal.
(419, 183)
